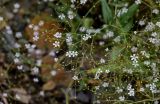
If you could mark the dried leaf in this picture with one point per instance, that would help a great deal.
(46, 31)
(49, 85)
(22, 94)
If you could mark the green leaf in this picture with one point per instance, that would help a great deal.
(106, 12)
(129, 15)
(128, 26)
(116, 51)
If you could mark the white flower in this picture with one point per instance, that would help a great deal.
(18, 34)
(17, 5)
(129, 86)
(17, 54)
(142, 89)
(56, 44)
(86, 37)
(138, 2)
(4, 94)
(83, 1)
(119, 90)
(17, 96)
(35, 38)
(150, 26)
(39, 62)
(97, 87)
(155, 11)
(105, 84)
(71, 15)
(121, 98)
(20, 67)
(158, 24)
(58, 35)
(53, 72)
(35, 70)
(156, 102)
(107, 71)
(134, 49)
(82, 29)
(41, 23)
(1, 18)
(110, 34)
(61, 16)
(141, 22)
(75, 77)
(131, 92)
(134, 57)
(16, 60)
(154, 34)
(102, 61)
(35, 79)
(73, 1)
(153, 88)
(72, 53)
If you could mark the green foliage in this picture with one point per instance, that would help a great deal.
(106, 12)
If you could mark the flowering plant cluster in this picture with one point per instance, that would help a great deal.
(80, 51)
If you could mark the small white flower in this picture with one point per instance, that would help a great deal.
(150, 26)
(155, 11)
(102, 61)
(58, 35)
(17, 55)
(61, 16)
(97, 87)
(56, 44)
(41, 93)
(18, 34)
(17, 5)
(134, 57)
(142, 89)
(35, 38)
(1, 18)
(107, 49)
(35, 27)
(17, 96)
(107, 71)
(110, 34)
(16, 60)
(154, 34)
(156, 102)
(41, 23)
(39, 62)
(82, 29)
(53, 72)
(134, 49)
(105, 84)
(35, 79)
(72, 53)
(119, 90)
(75, 77)
(121, 98)
(131, 92)
(138, 2)
(5, 95)
(83, 1)
(71, 15)
(141, 22)
(20, 67)
(35, 70)
(158, 24)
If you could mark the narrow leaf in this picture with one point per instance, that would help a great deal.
(106, 12)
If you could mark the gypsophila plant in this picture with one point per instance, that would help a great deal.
(80, 51)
